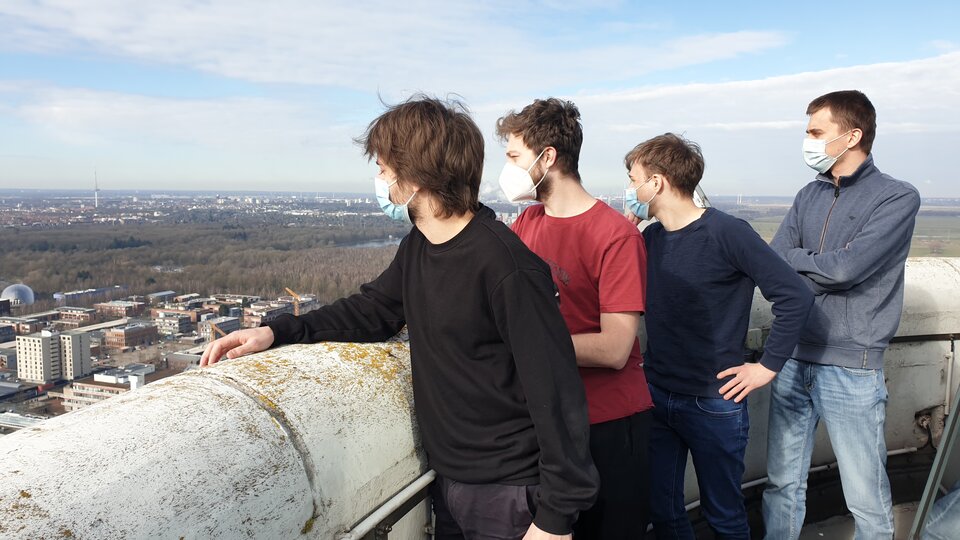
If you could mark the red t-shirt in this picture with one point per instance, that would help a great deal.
(598, 261)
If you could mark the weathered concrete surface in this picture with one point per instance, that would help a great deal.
(297, 441)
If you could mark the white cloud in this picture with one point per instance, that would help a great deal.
(944, 45)
(751, 130)
(478, 47)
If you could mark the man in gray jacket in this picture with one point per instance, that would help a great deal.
(847, 235)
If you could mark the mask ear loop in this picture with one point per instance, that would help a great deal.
(535, 186)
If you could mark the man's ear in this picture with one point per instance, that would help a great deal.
(549, 157)
(854, 138)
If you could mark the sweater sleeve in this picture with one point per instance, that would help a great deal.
(886, 231)
(374, 314)
(529, 320)
(787, 236)
(779, 284)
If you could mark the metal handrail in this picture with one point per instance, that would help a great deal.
(388, 511)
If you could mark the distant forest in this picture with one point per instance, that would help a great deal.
(257, 258)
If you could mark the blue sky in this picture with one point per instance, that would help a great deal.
(242, 94)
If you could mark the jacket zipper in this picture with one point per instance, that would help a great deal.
(823, 233)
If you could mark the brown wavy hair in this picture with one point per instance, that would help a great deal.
(670, 155)
(433, 144)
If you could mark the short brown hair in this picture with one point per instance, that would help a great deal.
(850, 110)
(548, 122)
(434, 144)
(670, 155)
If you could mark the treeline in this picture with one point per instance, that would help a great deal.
(238, 258)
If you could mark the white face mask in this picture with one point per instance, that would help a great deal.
(516, 183)
(815, 154)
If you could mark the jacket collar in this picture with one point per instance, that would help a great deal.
(865, 169)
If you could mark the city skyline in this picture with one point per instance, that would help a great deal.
(235, 97)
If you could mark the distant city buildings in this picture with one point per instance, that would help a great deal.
(46, 356)
(8, 332)
(5, 307)
(120, 308)
(171, 324)
(23, 325)
(127, 337)
(75, 317)
(161, 297)
(79, 296)
(225, 324)
(91, 390)
(8, 359)
(194, 314)
(263, 312)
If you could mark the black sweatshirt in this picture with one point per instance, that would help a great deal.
(498, 395)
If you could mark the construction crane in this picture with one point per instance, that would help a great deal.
(214, 330)
(296, 301)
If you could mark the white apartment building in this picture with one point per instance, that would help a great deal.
(46, 356)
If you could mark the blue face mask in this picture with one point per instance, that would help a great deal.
(399, 212)
(630, 202)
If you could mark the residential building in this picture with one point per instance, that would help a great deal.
(194, 314)
(8, 359)
(91, 390)
(161, 297)
(8, 332)
(120, 308)
(133, 335)
(262, 312)
(46, 356)
(23, 325)
(169, 324)
(77, 316)
(75, 355)
(225, 324)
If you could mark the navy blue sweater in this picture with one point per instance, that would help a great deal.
(700, 282)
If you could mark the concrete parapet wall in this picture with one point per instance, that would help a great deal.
(298, 441)
(306, 440)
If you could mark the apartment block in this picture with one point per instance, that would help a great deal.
(169, 324)
(225, 324)
(117, 309)
(133, 335)
(50, 356)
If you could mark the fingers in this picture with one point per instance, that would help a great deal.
(740, 391)
(215, 351)
(730, 371)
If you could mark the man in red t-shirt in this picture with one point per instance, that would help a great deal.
(598, 261)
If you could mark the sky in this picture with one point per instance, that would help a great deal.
(250, 95)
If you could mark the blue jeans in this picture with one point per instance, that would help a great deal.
(943, 522)
(852, 402)
(714, 431)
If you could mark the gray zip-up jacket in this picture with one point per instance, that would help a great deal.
(849, 243)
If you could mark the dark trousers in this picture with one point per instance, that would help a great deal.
(714, 431)
(619, 450)
(481, 511)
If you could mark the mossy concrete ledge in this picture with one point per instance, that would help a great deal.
(299, 441)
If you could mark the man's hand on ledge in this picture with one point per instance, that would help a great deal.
(236, 344)
(534, 533)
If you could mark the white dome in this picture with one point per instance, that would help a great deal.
(18, 294)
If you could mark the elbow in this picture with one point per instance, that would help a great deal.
(619, 360)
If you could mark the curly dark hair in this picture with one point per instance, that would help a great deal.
(548, 122)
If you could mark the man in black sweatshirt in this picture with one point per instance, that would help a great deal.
(499, 400)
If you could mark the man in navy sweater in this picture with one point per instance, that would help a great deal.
(702, 266)
(847, 235)
(500, 404)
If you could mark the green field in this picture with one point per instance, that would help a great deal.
(934, 236)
